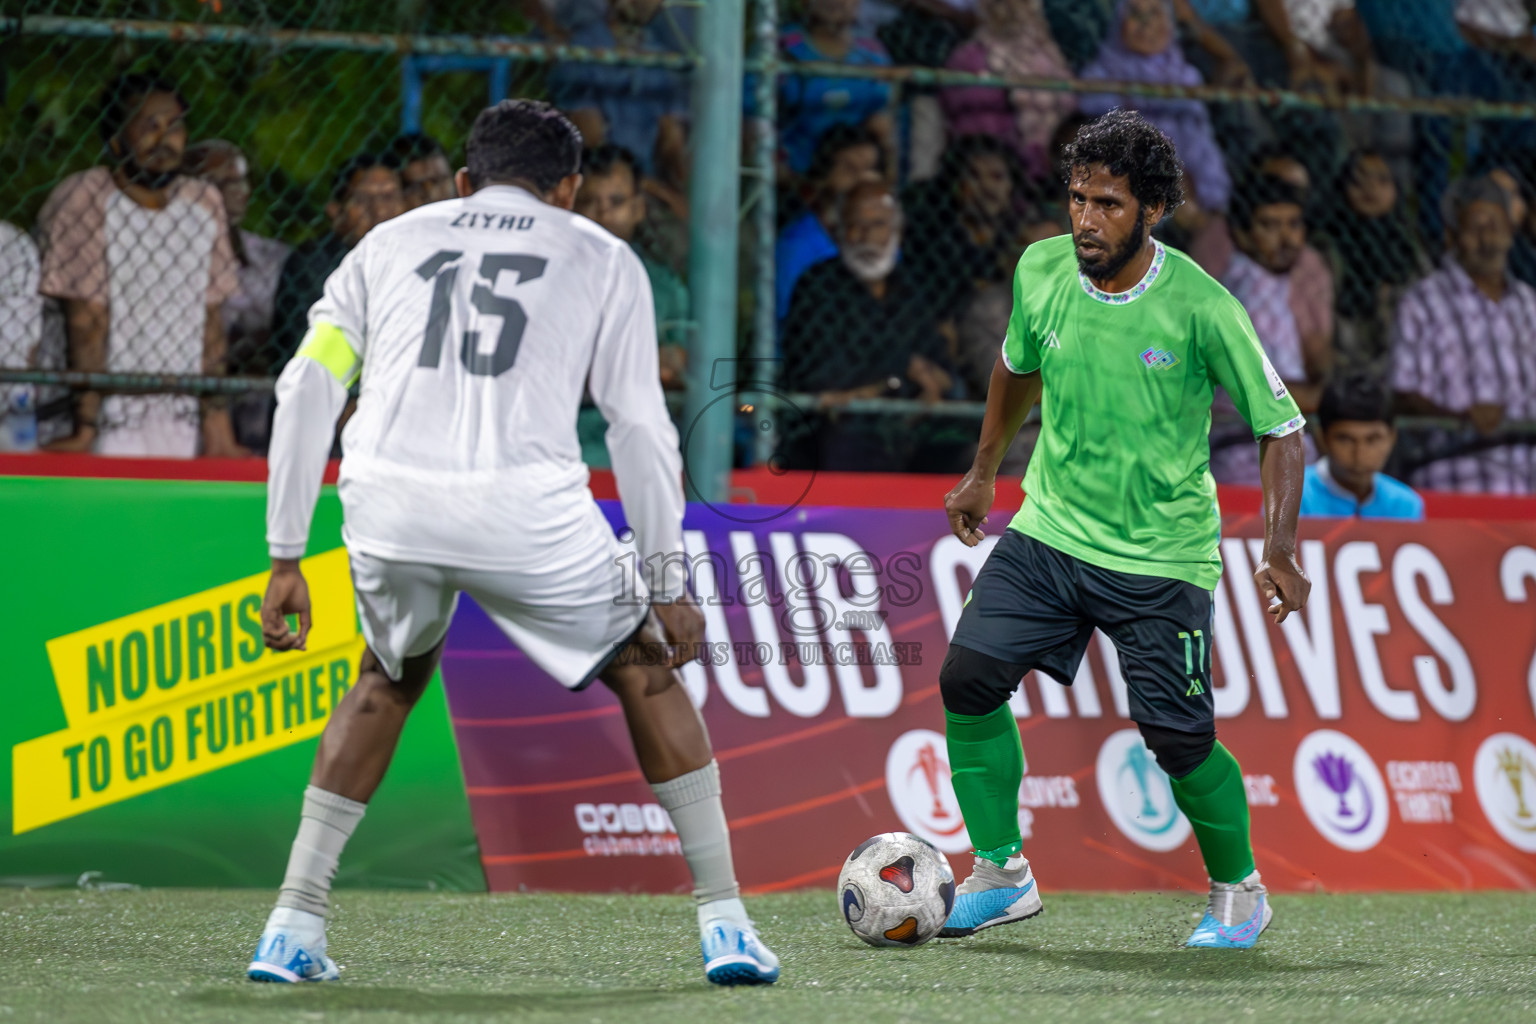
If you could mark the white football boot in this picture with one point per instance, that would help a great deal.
(292, 949)
(733, 953)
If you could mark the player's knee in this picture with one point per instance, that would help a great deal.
(376, 691)
(1178, 753)
(972, 683)
(634, 680)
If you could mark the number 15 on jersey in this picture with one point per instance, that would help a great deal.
(442, 269)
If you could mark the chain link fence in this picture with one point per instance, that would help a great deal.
(157, 258)
(179, 178)
(1362, 184)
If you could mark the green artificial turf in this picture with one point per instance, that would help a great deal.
(178, 955)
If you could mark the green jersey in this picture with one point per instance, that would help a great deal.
(1120, 476)
(670, 296)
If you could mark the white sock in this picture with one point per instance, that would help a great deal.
(289, 919)
(693, 801)
(324, 828)
(731, 909)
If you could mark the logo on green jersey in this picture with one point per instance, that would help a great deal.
(1194, 667)
(1051, 341)
(1159, 359)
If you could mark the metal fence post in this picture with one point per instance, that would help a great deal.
(715, 198)
(765, 35)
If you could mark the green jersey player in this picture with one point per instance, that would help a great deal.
(1122, 341)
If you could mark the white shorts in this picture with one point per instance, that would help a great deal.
(570, 620)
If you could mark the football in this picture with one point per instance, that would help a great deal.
(896, 890)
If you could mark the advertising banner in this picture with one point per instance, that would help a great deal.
(152, 738)
(1386, 733)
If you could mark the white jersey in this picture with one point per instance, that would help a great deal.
(479, 322)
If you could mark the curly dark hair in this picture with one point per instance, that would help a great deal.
(522, 139)
(1130, 146)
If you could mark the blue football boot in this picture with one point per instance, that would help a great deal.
(1235, 916)
(292, 949)
(992, 896)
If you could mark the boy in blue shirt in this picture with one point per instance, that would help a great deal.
(1357, 437)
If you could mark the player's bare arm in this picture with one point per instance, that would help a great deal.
(1010, 396)
(683, 623)
(1279, 576)
(287, 594)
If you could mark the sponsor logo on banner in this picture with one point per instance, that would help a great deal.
(627, 830)
(1137, 794)
(1423, 790)
(1341, 790)
(1037, 791)
(179, 690)
(1505, 775)
(917, 779)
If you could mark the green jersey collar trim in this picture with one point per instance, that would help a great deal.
(1159, 254)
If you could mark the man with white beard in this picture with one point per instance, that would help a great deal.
(860, 326)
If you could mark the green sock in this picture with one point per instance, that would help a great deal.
(986, 766)
(1212, 797)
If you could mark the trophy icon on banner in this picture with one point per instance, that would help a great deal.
(1515, 768)
(929, 764)
(1338, 775)
(1136, 760)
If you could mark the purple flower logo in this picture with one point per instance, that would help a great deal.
(1341, 790)
(1338, 774)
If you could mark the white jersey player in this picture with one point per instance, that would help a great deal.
(473, 326)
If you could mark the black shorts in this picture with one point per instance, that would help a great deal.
(1036, 607)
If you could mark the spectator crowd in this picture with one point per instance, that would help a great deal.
(1366, 266)
(1379, 282)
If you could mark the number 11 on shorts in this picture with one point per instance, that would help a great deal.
(1194, 669)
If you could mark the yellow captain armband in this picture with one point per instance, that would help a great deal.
(327, 345)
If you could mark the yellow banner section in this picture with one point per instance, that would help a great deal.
(187, 733)
(158, 657)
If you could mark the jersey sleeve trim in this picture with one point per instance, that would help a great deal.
(327, 345)
(1290, 426)
(1009, 362)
